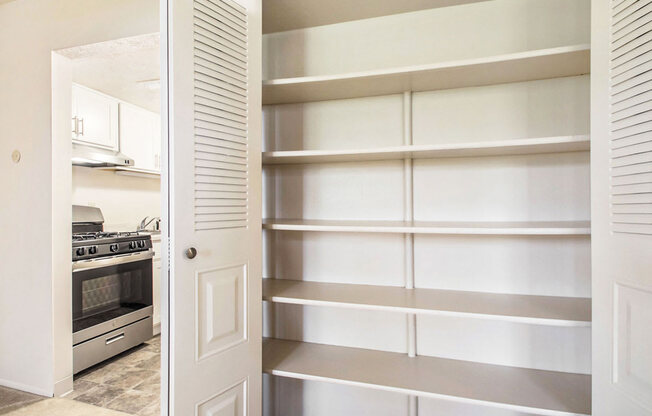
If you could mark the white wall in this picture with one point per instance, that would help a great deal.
(30, 342)
(124, 200)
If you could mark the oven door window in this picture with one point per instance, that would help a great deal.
(106, 293)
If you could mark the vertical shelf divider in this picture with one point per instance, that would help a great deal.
(408, 203)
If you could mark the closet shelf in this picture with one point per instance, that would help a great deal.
(540, 310)
(519, 389)
(522, 66)
(431, 227)
(429, 151)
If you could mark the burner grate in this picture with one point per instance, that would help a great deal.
(102, 234)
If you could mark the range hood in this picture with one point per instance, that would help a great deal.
(98, 158)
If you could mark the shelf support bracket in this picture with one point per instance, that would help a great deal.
(408, 206)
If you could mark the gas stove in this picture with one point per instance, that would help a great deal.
(90, 245)
(111, 289)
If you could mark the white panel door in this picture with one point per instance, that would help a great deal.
(621, 175)
(212, 89)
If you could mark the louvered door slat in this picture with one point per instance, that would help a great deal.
(209, 203)
(631, 116)
(219, 42)
(633, 101)
(629, 94)
(222, 18)
(632, 121)
(222, 158)
(207, 132)
(222, 73)
(631, 159)
(631, 169)
(225, 57)
(211, 164)
(200, 141)
(634, 109)
(222, 225)
(222, 150)
(218, 31)
(638, 36)
(618, 6)
(633, 209)
(633, 149)
(636, 66)
(632, 199)
(218, 112)
(220, 116)
(631, 141)
(632, 82)
(221, 180)
(632, 188)
(645, 177)
(238, 209)
(631, 20)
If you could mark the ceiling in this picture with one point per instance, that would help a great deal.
(282, 15)
(128, 69)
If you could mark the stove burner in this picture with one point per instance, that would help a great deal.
(103, 234)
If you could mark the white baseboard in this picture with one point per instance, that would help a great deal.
(63, 387)
(25, 387)
(156, 329)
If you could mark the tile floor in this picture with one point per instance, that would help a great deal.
(11, 399)
(129, 382)
(63, 407)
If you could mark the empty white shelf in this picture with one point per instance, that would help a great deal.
(487, 148)
(540, 310)
(432, 227)
(537, 391)
(522, 66)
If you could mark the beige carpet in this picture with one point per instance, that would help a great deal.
(63, 407)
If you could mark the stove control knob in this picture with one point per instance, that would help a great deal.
(141, 243)
(81, 251)
(92, 249)
(132, 245)
(113, 248)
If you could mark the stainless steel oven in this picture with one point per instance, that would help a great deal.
(112, 293)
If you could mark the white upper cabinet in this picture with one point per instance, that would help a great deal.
(94, 118)
(140, 136)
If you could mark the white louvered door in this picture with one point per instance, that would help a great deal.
(621, 165)
(212, 91)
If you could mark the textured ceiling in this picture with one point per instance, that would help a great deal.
(120, 68)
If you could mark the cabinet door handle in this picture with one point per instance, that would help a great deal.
(75, 123)
(81, 122)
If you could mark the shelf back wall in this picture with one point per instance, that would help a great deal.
(480, 29)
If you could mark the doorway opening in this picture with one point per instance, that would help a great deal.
(110, 94)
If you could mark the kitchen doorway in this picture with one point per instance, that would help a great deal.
(106, 115)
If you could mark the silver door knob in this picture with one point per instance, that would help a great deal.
(191, 253)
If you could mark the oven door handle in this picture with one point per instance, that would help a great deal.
(111, 261)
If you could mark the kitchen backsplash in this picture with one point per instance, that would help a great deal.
(124, 200)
